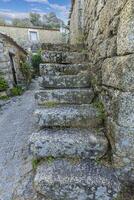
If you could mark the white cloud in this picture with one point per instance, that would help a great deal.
(6, 13)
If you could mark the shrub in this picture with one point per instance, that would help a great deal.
(25, 68)
(16, 91)
(36, 60)
(3, 84)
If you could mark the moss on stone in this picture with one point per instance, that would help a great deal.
(35, 163)
(49, 104)
(101, 109)
(127, 193)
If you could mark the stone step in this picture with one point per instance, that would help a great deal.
(68, 116)
(62, 69)
(64, 96)
(62, 47)
(75, 179)
(63, 57)
(56, 143)
(81, 80)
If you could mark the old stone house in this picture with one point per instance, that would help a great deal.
(27, 36)
(10, 55)
(108, 34)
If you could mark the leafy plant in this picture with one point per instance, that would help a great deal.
(3, 84)
(35, 163)
(16, 91)
(36, 60)
(4, 98)
(25, 68)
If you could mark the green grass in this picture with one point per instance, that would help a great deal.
(16, 91)
(3, 84)
(4, 98)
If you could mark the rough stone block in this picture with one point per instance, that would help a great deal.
(125, 36)
(118, 72)
(62, 69)
(25, 191)
(75, 180)
(64, 96)
(120, 106)
(67, 81)
(122, 141)
(82, 143)
(63, 57)
(68, 116)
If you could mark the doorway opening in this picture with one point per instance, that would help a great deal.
(11, 55)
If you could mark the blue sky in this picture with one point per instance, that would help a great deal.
(21, 8)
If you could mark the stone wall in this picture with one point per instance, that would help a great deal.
(76, 21)
(6, 47)
(109, 37)
(21, 35)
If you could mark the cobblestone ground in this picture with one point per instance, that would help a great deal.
(16, 124)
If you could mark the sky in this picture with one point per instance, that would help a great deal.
(21, 8)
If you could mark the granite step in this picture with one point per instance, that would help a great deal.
(81, 80)
(56, 143)
(62, 69)
(64, 57)
(64, 96)
(64, 179)
(68, 116)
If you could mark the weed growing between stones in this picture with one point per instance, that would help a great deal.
(49, 104)
(100, 107)
(35, 163)
(3, 84)
(16, 91)
(5, 98)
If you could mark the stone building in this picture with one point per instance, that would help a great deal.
(107, 26)
(27, 37)
(10, 55)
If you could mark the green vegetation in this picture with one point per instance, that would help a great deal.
(35, 163)
(100, 107)
(50, 104)
(36, 60)
(3, 84)
(25, 68)
(4, 98)
(16, 91)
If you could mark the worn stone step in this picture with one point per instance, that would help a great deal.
(81, 80)
(64, 96)
(82, 143)
(68, 116)
(75, 179)
(63, 57)
(62, 69)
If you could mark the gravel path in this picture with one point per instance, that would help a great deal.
(16, 124)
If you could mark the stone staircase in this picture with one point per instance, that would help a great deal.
(69, 142)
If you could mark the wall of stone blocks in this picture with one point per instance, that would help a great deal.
(76, 22)
(109, 38)
(5, 64)
(21, 35)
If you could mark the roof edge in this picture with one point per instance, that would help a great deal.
(14, 42)
(30, 27)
